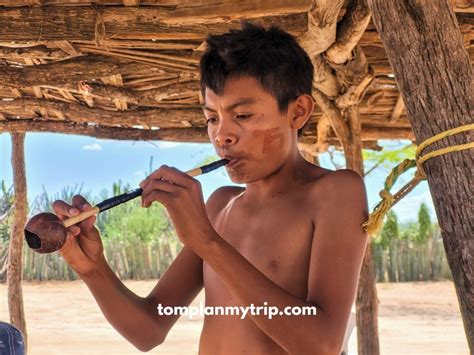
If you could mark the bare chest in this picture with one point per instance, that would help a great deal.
(276, 240)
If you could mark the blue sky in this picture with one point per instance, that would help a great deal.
(57, 160)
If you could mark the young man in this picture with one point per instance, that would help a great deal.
(291, 237)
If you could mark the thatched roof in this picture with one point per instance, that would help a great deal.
(128, 70)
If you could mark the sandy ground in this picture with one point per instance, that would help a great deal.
(63, 318)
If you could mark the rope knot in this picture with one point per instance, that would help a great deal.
(387, 197)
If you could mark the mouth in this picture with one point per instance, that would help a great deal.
(232, 160)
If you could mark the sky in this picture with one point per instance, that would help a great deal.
(54, 161)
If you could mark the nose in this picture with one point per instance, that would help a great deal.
(224, 136)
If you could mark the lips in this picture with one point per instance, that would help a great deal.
(233, 162)
(232, 159)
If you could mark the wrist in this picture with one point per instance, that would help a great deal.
(208, 242)
(99, 271)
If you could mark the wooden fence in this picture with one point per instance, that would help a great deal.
(401, 261)
(404, 260)
(129, 260)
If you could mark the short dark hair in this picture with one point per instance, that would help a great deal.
(272, 56)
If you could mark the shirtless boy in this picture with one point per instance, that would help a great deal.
(291, 237)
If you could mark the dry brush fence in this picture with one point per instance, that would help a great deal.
(129, 260)
(401, 261)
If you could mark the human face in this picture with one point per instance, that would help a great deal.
(246, 127)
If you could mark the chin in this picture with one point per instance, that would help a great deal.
(238, 177)
(241, 177)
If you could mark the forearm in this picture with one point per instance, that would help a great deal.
(296, 334)
(131, 315)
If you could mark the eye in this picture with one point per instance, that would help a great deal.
(211, 120)
(243, 116)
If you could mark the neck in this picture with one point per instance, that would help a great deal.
(291, 173)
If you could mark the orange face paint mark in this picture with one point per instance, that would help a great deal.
(269, 136)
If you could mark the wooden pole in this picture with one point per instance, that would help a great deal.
(14, 271)
(433, 71)
(366, 298)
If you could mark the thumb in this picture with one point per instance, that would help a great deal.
(70, 243)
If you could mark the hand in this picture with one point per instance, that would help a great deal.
(182, 197)
(83, 249)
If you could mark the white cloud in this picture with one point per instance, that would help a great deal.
(94, 146)
(167, 145)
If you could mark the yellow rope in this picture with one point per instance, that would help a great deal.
(374, 223)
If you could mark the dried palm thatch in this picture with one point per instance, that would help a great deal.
(128, 70)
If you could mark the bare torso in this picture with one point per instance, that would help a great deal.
(275, 235)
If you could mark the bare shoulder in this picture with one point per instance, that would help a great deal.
(346, 179)
(343, 187)
(220, 198)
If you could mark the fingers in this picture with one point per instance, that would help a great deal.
(82, 205)
(166, 180)
(78, 201)
(171, 174)
(156, 195)
(159, 184)
(64, 210)
(159, 181)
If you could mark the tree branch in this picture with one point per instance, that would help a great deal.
(349, 31)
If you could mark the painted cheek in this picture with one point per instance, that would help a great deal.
(272, 139)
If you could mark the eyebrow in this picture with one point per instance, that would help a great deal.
(243, 101)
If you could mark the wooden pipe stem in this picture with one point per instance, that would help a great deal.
(114, 201)
(80, 217)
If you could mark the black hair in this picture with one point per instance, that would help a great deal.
(272, 56)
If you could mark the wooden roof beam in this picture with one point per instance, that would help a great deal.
(458, 5)
(398, 109)
(69, 71)
(367, 134)
(118, 133)
(131, 2)
(97, 25)
(63, 111)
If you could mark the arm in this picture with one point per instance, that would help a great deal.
(337, 252)
(136, 318)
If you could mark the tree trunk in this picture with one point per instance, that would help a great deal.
(14, 273)
(367, 308)
(366, 299)
(433, 71)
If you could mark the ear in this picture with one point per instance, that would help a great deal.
(300, 111)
